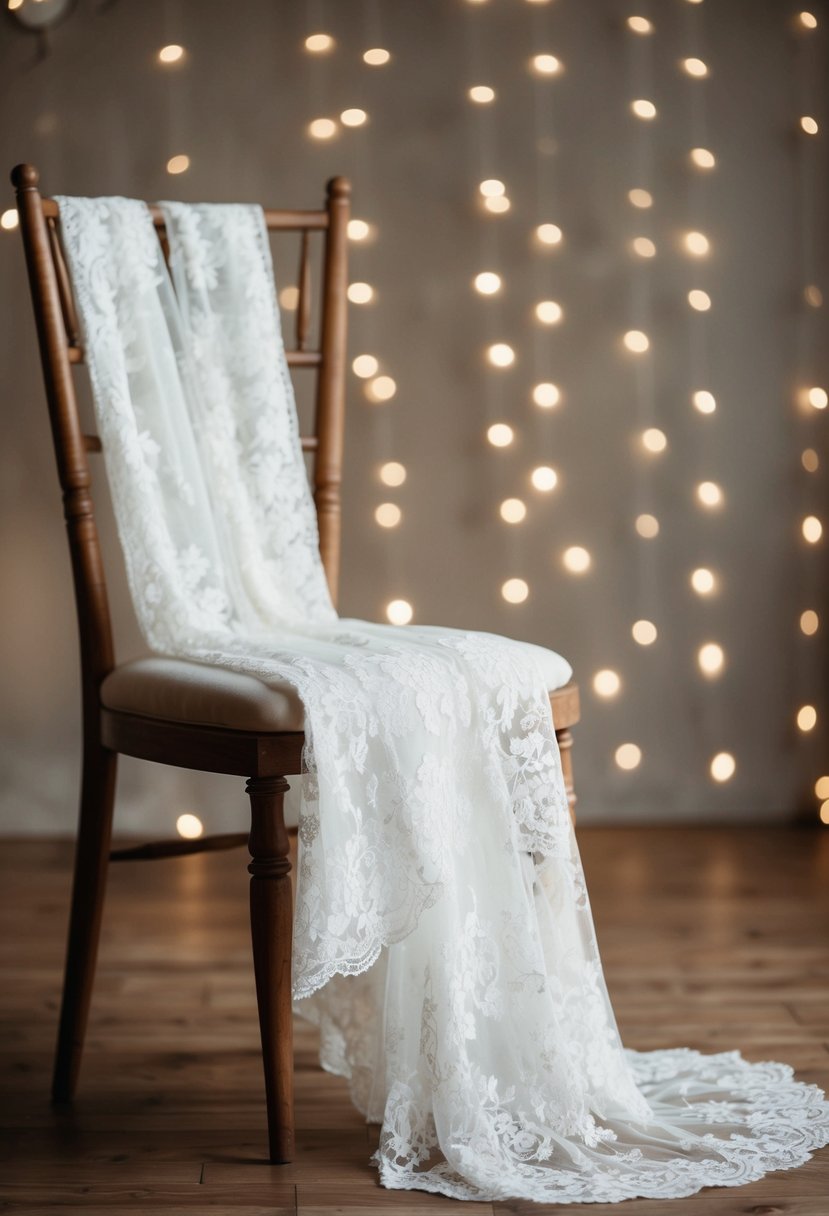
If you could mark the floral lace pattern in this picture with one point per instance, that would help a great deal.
(443, 937)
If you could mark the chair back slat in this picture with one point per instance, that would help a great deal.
(60, 349)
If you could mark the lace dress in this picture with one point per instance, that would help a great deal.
(443, 936)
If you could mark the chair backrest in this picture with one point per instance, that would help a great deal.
(61, 349)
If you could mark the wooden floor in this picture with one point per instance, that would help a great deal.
(711, 938)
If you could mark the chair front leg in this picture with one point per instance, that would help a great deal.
(271, 922)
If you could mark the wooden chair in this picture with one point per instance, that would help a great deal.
(147, 708)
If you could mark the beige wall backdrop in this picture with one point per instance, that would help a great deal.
(98, 114)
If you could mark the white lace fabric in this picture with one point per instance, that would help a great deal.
(443, 937)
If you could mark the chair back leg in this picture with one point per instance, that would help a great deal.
(271, 923)
(91, 861)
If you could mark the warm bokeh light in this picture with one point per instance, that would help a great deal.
(709, 494)
(487, 282)
(654, 440)
(545, 65)
(500, 435)
(809, 622)
(360, 293)
(695, 67)
(640, 198)
(322, 128)
(365, 366)
(699, 300)
(813, 295)
(628, 756)
(703, 581)
(703, 158)
(549, 234)
(492, 188)
(640, 25)
(358, 230)
(376, 56)
(812, 529)
(822, 788)
(381, 388)
(711, 659)
(497, 204)
(643, 108)
(647, 526)
(824, 813)
(817, 398)
(643, 246)
(544, 478)
(173, 53)
(515, 591)
(606, 683)
(289, 297)
(399, 612)
(704, 401)
(644, 632)
(392, 473)
(636, 341)
(319, 43)
(697, 244)
(500, 354)
(576, 559)
(482, 94)
(388, 515)
(353, 117)
(723, 766)
(178, 164)
(189, 827)
(810, 460)
(806, 718)
(809, 125)
(546, 395)
(808, 20)
(513, 510)
(9, 219)
(549, 312)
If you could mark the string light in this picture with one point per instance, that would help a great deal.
(644, 632)
(711, 659)
(606, 683)
(513, 510)
(723, 766)
(9, 219)
(515, 590)
(544, 478)
(696, 244)
(399, 612)
(381, 388)
(492, 188)
(376, 56)
(636, 341)
(322, 128)
(178, 164)
(576, 559)
(809, 622)
(640, 198)
(700, 301)
(189, 827)
(812, 529)
(695, 67)
(388, 515)
(810, 460)
(643, 109)
(500, 354)
(360, 293)
(822, 787)
(487, 283)
(549, 312)
(497, 204)
(545, 65)
(703, 581)
(319, 44)
(703, 158)
(358, 230)
(549, 234)
(654, 440)
(704, 401)
(640, 25)
(171, 54)
(806, 718)
(481, 94)
(643, 246)
(353, 118)
(546, 395)
(824, 813)
(365, 366)
(392, 473)
(289, 297)
(817, 398)
(628, 756)
(709, 494)
(808, 20)
(813, 296)
(647, 526)
(809, 125)
(500, 435)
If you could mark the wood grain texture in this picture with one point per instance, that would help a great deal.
(710, 938)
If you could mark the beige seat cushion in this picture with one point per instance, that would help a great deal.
(177, 690)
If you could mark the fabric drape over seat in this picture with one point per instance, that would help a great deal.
(443, 936)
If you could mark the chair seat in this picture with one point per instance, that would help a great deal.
(176, 690)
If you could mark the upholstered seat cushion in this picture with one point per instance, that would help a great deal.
(177, 690)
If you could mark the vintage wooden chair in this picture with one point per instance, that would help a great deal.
(181, 713)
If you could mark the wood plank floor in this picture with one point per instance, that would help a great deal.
(712, 938)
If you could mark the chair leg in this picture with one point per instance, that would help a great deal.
(91, 860)
(271, 919)
(565, 747)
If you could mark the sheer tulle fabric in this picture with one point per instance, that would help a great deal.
(443, 940)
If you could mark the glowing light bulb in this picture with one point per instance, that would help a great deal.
(360, 293)
(606, 683)
(189, 827)
(392, 473)
(822, 787)
(806, 718)
(643, 246)
(704, 401)
(546, 395)
(809, 623)
(544, 478)
(824, 813)
(808, 20)
(640, 198)
(500, 354)
(399, 612)
(647, 526)
(640, 25)
(9, 219)
(576, 559)
(703, 158)
(637, 341)
(643, 109)
(381, 388)
(644, 632)
(695, 67)
(487, 283)
(700, 301)
(497, 205)
(289, 297)
(654, 440)
(482, 94)
(492, 188)
(812, 529)
(322, 128)
(365, 366)
(515, 590)
(500, 435)
(353, 118)
(388, 515)
(723, 766)
(376, 56)
(696, 244)
(545, 65)
(358, 230)
(703, 581)
(809, 125)
(711, 659)
(549, 234)
(709, 494)
(171, 54)
(513, 510)
(817, 398)
(628, 756)
(549, 312)
(318, 44)
(810, 460)
(178, 164)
